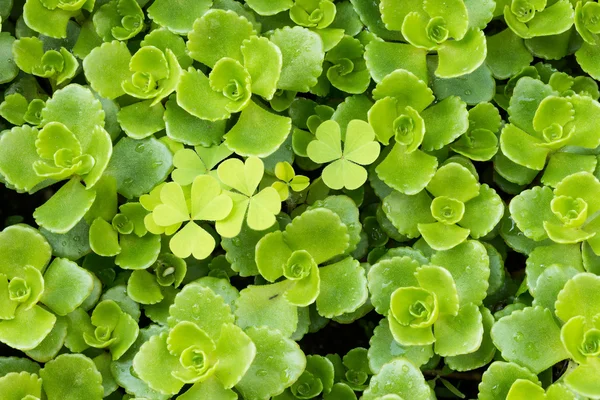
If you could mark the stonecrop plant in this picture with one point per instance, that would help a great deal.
(299, 199)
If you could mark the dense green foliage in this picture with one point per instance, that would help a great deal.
(300, 199)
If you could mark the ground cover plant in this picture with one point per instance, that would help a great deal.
(299, 199)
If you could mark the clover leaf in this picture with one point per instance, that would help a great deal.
(346, 170)
(206, 203)
(261, 207)
(288, 180)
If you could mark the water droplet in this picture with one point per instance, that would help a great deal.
(139, 148)
(157, 164)
(518, 336)
(261, 372)
(128, 181)
(405, 368)
(496, 388)
(236, 241)
(76, 239)
(389, 386)
(468, 92)
(64, 243)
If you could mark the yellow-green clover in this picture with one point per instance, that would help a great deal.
(346, 166)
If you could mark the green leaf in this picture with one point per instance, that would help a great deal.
(235, 352)
(407, 212)
(218, 34)
(142, 119)
(320, 232)
(383, 58)
(8, 69)
(107, 81)
(499, 378)
(279, 362)
(104, 240)
(506, 54)
(264, 75)
(211, 388)
(552, 20)
(582, 381)
(258, 132)
(152, 363)
(17, 167)
(386, 276)
(27, 329)
(179, 17)
(138, 252)
(143, 288)
(561, 165)
(451, 64)
(183, 127)
(48, 22)
(440, 282)
(483, 355)
(302, 55)
(460, 334)
(70, 377)
(483, 213)
(192, 304)
(72, 200)
(139, 165)
(582, 291)
(530, 209)
(399, 377)
(265, 7)
(267, 306)
(21, 385)
(421, 165)
(343, 280)
(383, 349)
(67, 286)
(529, 337)
(469, 265)
(23, 245)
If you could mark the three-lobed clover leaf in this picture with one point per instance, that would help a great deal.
(288, 180)
(206, 202)
(346, 166)
(257, 209)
